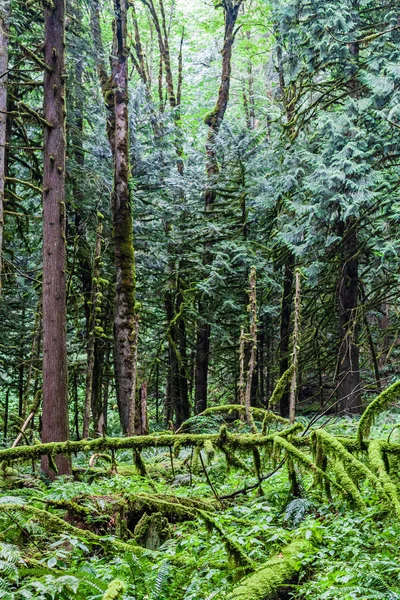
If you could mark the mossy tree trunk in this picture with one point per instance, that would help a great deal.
(214, 121)
(55, 389)
(124, 319)
(348, 371)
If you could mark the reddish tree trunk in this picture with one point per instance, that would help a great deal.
(55, 390)
(4, 28)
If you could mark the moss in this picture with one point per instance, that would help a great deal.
(54, 523)
(377, 462)
(152, 530)
(139, 464)
(258, 413)
(243, 442)
(302, 458)
(210, 116)
(233, 461)
(277, 572)
(331, 446)
(115, 590)
(381, 403)
(234, 550)
(280, 389)
(347, 484)
(168, 506)
(209, 450)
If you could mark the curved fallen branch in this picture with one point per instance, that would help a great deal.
(278, 571)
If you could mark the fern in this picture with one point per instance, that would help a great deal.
(161, 581)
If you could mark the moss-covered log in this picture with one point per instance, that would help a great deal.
(277, 572)
(381, 403)
(237, 441)
(54, 523)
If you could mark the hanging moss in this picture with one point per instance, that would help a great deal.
(330, 446)
(378, 464)
(278, 392)
(209, 450)
(302, 458)
(234, 550)
(139, 464)
(233, 461)
(347, 484)
(277, 572)
(381, 403)
(115, 590)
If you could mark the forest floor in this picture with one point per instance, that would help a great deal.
(179, 530)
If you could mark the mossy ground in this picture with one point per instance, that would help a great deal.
(337, 549)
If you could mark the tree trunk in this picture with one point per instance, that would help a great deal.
(55, 390)
(4, 37)
(124, 318)
(214, 121)
(93, 322)
(286, 311)
(348, 372)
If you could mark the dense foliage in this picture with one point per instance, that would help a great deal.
(199, 282)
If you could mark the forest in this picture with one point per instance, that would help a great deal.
(199, 299)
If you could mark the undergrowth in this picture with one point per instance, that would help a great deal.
(211, 538)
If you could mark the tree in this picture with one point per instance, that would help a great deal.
(4, 37)
(55, 387)
(214, 121)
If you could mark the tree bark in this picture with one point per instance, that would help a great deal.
(55, 390)
(348, 372)
(284, 337)
(94, 305)
(214, 121)
(4, 37)
(124, 319)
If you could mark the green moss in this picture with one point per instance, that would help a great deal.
(280, 570)
(139, 464)
(377, 462)
(381, 403)
(258, 413)
(234, 550)
(54, 523)
(279, 390)
(152, 530)
(115, 590)
(331, 446)
(347, 484)
(209, 450)
(300, 457)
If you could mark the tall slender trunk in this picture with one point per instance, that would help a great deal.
(124, 319)
(94, 306)
(55, 390)
(348, 373)
(115, 95)
(214, 121)
(4, 37)
(284, 335)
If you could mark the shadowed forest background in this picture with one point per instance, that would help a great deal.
(199, 241)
